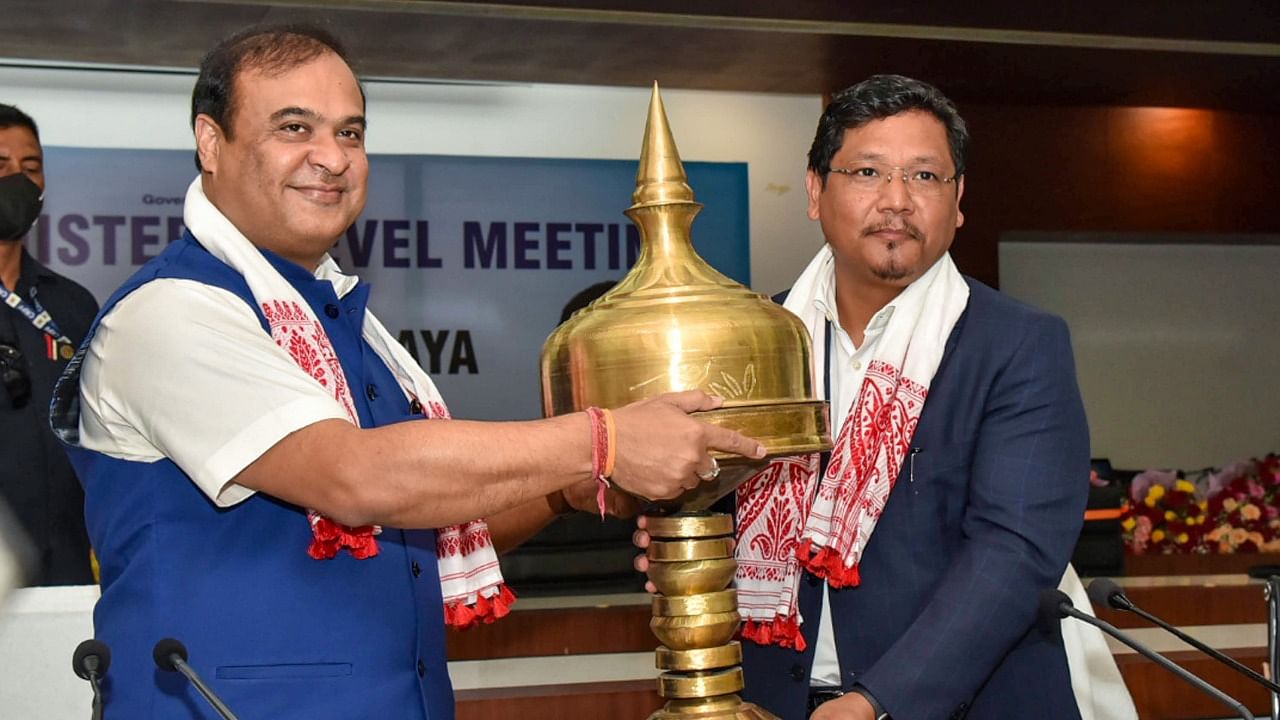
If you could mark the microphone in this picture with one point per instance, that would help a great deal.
(90, 662)
(1054, 604)
(171, 656)
(1106, 592)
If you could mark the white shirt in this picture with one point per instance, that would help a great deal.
(848, 365)
(194, 378)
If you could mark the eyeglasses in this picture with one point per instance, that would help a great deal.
(921, 180)
(14, 377)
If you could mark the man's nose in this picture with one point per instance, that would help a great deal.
(328, 154)
(894, 196)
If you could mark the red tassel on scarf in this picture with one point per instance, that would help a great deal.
(828, 564)
(783, 632)
(328, 537)
(460, 616)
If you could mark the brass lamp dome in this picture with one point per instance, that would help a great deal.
(675, 323)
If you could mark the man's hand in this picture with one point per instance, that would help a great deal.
(640, 538)
(851, 706)
(661, 450)
(582, 496)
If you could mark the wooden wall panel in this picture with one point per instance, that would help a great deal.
(1239, 563)
(1157, 694)
(1114, 169)
(1160, 695)
(1192, 605)
(571, 631)
(614, 701)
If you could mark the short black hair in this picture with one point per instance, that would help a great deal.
(11, 116)
(879, 97)
(269, 49)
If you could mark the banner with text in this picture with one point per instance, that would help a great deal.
(472, 259)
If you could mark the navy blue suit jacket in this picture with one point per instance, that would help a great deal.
(983, 516)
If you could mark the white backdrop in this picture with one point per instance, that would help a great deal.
(1177, 345)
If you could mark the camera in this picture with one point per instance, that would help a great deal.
(14, 376)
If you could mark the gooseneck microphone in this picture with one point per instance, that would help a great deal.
(90, 662)
(1106, 592)
(171, 656)
(1055, 605)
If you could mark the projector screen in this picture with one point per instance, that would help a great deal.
(1177, 339)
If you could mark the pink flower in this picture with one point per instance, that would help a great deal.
(1141, 534)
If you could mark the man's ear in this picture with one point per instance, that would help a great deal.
(209, 140)
(959, 194)
(813, 187)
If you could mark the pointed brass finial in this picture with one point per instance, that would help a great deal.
(661, 178)
(676, 323)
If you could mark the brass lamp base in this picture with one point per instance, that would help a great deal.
(691, 563)
(726, 707)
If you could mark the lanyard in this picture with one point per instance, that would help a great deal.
(826, 362)
(825, 457)
(41, 319)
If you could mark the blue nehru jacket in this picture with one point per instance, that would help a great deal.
(276, 633)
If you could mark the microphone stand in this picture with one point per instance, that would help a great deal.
(204, 690)
(90, 662)
(171, 656)
(96, 707)
(1231, 662)
(1272, 594)
(1066, 608)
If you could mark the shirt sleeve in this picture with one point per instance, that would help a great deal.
(182, 370)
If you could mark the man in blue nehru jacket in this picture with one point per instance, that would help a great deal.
(270, 477)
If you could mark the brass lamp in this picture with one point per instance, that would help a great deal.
(674, 323)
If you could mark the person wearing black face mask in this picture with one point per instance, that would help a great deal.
(43, 317)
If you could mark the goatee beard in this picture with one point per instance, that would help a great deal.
(892, 271)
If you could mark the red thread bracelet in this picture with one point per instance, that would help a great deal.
(601, 452)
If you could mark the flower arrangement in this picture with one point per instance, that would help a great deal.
(1232, 510)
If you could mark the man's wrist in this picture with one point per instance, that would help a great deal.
(875, 704)
(559, 504)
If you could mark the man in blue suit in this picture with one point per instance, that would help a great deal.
(898, 576)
